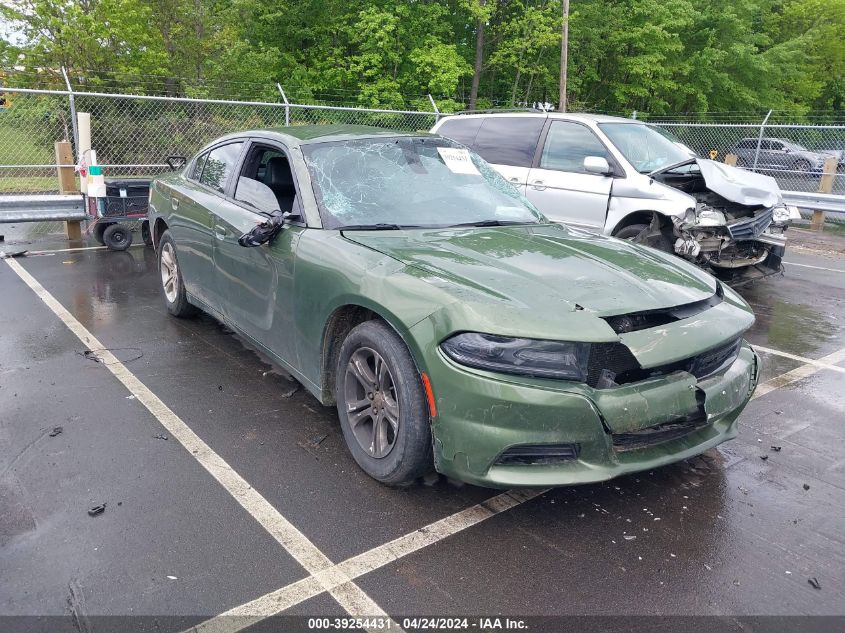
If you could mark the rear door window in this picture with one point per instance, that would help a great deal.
(509, 140)
(461, 130)
(219, 165)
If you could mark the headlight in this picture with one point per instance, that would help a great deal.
(782, 215)
(521, 356)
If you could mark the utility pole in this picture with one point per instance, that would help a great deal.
(564, 55)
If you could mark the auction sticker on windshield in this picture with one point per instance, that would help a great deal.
(457, 159)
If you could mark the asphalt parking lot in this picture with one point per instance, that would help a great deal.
(229, 490)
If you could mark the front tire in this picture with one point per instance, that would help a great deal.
(382, 406)
(172, 285)
(631, 231)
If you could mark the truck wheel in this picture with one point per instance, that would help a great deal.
(382, 406)
(117, 237)
(802, 165)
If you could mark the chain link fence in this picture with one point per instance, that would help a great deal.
(795, 155)
(134, 134)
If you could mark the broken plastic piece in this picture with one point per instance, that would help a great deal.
(764, 457)
(8, 254)
(814, 583)
(777, 449)
(806, 486)
(97, 510)
(160, 436)
(56, 431)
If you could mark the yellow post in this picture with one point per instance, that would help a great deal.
(67, 184)
(825, 186)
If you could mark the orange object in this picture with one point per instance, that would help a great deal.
(429, 393)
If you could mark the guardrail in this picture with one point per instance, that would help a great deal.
(815, 201)
(42, 208)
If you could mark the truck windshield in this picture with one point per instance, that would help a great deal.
(408, 182)
(645, 148)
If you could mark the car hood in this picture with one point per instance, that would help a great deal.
(734, 184)
(543, 271)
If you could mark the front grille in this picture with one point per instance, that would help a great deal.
(658, 434)
(750, 228)
(612, 364)
(538, 454)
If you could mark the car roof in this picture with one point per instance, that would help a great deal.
(569, 116)
(310, 134)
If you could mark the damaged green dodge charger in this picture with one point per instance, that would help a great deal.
(401, 278)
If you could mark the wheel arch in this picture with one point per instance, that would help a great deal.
(337, 327)
(159, 228)
(637, 217)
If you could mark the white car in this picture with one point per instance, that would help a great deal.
(623, 178)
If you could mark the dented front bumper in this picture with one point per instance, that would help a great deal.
(614, 431)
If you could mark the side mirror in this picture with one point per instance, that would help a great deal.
(597, 165)
(175, 162)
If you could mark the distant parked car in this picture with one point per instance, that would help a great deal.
(398, 276)
(627, 179)
(781, 154)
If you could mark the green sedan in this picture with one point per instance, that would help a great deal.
(399, 277)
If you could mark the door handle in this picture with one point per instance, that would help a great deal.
(174, 203)
(514, 179)
(538, 185)
(220, 232)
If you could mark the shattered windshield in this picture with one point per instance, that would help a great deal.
(407, 182)
(644, 148)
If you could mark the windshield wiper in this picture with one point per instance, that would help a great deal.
(492, 223)
(379, 226)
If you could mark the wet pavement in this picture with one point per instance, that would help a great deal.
(735, 532)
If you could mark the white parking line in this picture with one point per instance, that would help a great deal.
(808, 369)
(347, 593)
(833, 270)
(807, 361)
(282, 599)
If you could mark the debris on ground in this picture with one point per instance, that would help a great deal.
(10, 254)
(56, 431)
(219, 387)
(814, 583)
(806, 486)
(160, 436)
(764, 457)
(172, 578)
(317, 440)
(777, 449)
(97, 510)
(93, 354)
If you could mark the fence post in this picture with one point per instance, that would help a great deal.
(72, 113)
(287, 105)
(436, 109)
(825, 186)
(760, 141)
(634, 115)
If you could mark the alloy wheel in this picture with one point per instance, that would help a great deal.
(169, 272)
(371, 403)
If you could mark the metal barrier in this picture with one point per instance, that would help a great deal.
(42, 208)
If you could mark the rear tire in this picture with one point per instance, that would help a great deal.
(146, 234)
(117, 237)
(172, 285)
(382, 407)
(802, 165)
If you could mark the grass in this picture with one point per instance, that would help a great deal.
(28, 184)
